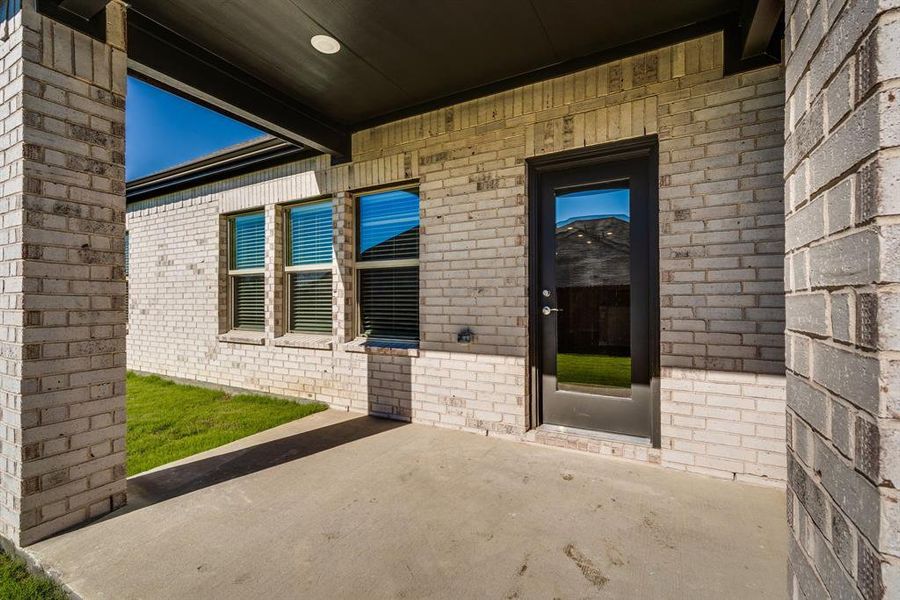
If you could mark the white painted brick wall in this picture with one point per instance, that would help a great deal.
(721, 228)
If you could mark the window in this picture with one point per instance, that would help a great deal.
(308, 265)
(388, 264)
(245, 271)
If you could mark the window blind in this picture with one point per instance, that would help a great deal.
(311, 302)
(389, 303)
(388, 256)
(389, 225)
(248, 241)
(249, 302)
(309, 250)
(310, 240)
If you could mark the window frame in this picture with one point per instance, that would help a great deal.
(288, 269)
(396, 263)
(234, 274)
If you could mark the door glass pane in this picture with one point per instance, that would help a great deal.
(593, 288)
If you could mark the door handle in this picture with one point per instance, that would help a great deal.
(547, 310)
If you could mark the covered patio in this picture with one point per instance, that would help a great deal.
(747, 149)
(338, 505)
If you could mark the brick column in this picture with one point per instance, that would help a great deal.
(343, 267)
(62, 333)
(842, 269)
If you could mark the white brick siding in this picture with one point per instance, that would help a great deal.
(721, 232)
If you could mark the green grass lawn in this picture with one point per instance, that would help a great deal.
(591, 369)
(16, 583)
(168, 421)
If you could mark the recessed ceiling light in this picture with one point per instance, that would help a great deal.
(325, 44)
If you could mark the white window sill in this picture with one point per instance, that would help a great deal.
(304, 340)
(376, 346)
(236, 336)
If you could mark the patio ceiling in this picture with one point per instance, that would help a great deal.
(253, 59)
(401, 53)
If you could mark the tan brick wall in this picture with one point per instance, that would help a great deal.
(721, 276)
(63, 332)
(721, 229)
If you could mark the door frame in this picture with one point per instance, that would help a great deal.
(643, 147)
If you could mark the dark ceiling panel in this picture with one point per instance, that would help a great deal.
(270, 40)
(429, 48)
(577, 28)
(402, 53)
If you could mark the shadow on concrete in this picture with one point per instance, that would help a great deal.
(158, 486)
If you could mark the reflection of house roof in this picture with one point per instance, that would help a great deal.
(571, 220)
(593, 251)
(403, 241)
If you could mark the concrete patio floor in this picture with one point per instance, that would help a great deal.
(338, 505)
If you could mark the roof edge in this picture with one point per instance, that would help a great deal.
(268, 152)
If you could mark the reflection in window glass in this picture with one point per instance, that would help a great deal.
(309, 261)
(593, 286)
(311, 236)
(388, 253)
(247, 243)
(389, 225)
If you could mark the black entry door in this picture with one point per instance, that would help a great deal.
(597, 295)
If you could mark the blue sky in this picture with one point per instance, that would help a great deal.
(164, 130)
(592, 203)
